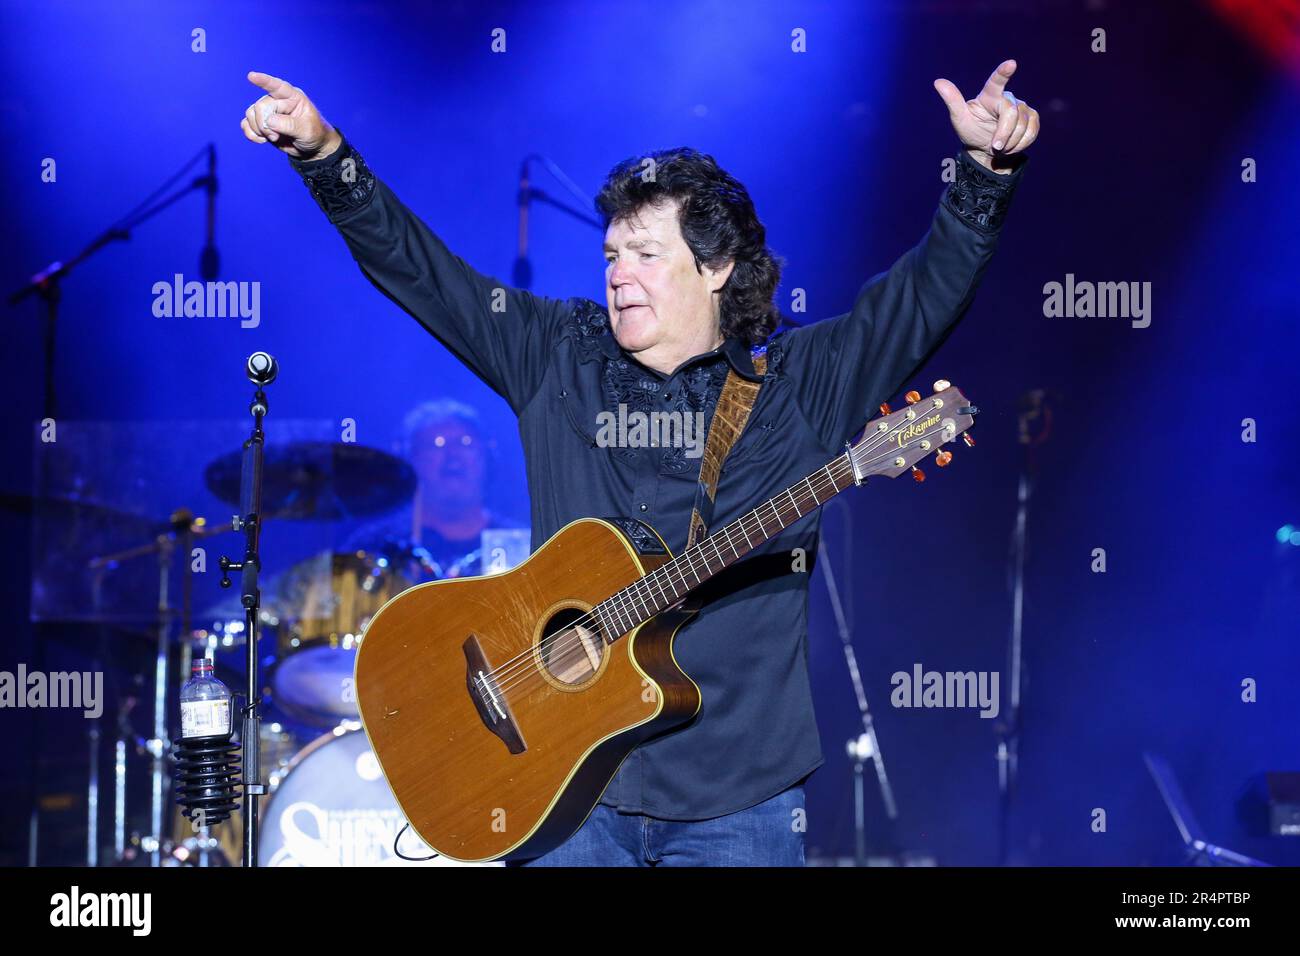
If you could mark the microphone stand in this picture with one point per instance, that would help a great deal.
(46, 284)
(866, 746)
(250, 522)
(523, 269)
(1032, 407)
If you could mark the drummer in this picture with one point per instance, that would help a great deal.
(438, 534)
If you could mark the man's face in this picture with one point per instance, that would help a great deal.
(449, 455)
(654, 293)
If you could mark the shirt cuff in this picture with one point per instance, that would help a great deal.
(340, 183)
(980, 197)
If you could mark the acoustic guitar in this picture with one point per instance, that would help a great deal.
(500, 707)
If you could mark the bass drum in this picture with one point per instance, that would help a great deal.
(333, 807)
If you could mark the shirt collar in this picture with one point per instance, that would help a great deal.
(741, 358)
(736, 352)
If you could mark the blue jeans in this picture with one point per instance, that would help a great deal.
(768, 834)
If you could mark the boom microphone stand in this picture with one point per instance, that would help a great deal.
(528, 193)
(47, 284)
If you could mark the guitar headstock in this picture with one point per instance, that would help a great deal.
(896, 441)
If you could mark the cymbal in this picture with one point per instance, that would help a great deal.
(67, 535)
(320, 480)
(65, 510)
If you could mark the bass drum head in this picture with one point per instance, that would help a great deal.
(333, 807)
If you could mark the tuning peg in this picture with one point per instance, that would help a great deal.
(969, 439)
(912, 397)
(885, 409)
(941, 384)
(943, 458)
(918, 474)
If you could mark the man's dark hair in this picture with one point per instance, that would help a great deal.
(718, 222)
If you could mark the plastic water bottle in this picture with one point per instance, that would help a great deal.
(206, 703)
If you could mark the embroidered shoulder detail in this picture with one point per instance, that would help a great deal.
(590, 318)
(589, 324)
(980, 197)
(340, 183)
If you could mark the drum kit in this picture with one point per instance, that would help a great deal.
(328, 804)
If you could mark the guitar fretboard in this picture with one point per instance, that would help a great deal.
(660, 589)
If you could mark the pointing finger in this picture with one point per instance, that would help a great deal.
(274, 86)
(996, 83)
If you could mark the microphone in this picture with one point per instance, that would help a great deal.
(261, 368)
(209, 260)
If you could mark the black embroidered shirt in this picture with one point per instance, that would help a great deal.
(557, 364)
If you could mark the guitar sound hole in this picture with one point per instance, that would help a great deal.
(570, 652)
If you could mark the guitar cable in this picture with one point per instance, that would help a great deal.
(410, 859)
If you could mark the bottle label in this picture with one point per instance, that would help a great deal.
(205, 718)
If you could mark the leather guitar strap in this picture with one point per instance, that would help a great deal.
(729, 418)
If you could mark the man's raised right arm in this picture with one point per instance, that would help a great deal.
(502, 334)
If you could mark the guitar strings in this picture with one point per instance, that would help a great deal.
(514, 672)
(511, 668)
(519, 667)
(573, 640)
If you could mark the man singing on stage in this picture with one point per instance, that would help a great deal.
(689, 290)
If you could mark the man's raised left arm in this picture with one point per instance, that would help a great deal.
(845, 366)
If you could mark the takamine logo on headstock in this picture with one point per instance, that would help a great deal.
(901, 438)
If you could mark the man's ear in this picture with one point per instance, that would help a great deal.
(717, 278)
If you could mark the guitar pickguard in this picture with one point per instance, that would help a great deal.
(640, 534)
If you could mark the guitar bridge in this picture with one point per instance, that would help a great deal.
(489, 701)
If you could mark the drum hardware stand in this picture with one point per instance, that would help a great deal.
(159, 743)
(158, 746)
(1199, 851)
(866, 746)
(262, 370)
(92, 773)
(125, 735)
